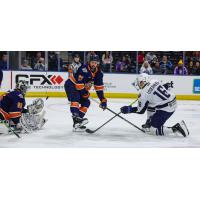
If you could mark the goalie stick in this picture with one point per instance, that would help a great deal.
(93, 131)
(11, 130)
(120, 116)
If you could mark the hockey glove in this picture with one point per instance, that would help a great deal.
(128, 109)
(168, 85)
(85, 94)
(103, 104)
(88, 86)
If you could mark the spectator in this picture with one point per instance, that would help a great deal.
(25, 66)
(180, 69)
(40, 65)
(54, 61)
(127, 64)
(3, 62)
(196, 55)
(140, 58)
(119, 65)
(191, 68)
(197, 68)
(166, 65)
(150, 57)
(106, 61)
(156, 68)
(75, 65)
(89, 54)
(36, 59)
(146, 68)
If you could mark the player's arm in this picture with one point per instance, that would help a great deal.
(78, 80)
(140, 109)
(99, 88)
(16, 109)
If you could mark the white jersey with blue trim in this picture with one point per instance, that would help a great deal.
(155, 96)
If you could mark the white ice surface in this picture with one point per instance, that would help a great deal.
(118, 133)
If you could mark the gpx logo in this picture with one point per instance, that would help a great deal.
(40, 79)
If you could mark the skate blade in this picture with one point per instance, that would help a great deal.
(185, 128)
(82, 124)
(78, 130)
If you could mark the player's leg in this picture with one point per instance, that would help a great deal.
(85, 104)
(74, 97)
(159, 119)
(150, 113)
(67, 90)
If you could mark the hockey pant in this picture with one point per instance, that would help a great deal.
(79, 105)
(158, 119)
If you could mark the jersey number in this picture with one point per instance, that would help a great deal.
(162, 93)
(19, 105)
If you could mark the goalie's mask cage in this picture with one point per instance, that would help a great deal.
(22, 86)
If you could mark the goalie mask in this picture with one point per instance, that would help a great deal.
(22, 86)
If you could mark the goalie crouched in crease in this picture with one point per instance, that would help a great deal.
(160, 104)
(14, 113)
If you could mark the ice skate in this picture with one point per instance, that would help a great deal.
(79, 124)
(181, 128)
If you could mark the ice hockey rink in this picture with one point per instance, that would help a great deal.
(118, 133)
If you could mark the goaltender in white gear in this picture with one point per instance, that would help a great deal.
(33, 119)
(160, 104)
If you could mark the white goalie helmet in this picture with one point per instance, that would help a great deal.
(141, 81)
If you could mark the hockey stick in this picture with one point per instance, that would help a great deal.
(93, 131)
(120, 116)
(10, 129)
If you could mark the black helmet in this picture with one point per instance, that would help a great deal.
(22, 86)
(94, 58)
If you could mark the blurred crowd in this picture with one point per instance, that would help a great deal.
(152, 62)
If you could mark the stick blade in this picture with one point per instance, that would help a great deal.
(89, 131)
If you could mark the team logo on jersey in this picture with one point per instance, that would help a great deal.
(196, 86)
(80, 78)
